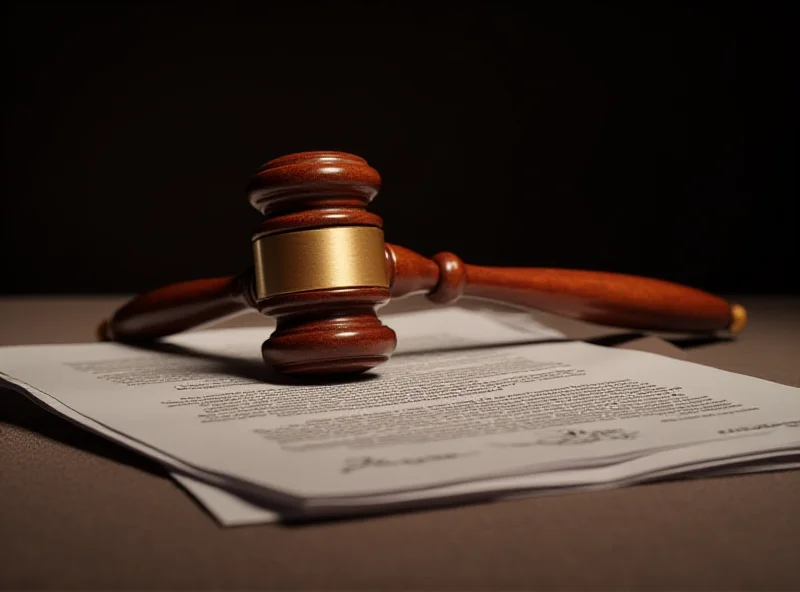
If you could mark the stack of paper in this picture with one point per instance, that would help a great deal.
(471, 406)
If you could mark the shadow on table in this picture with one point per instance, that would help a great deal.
(698, 341)
(17, 409)
(681, 342)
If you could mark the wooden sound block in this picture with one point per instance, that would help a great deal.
(322, 269)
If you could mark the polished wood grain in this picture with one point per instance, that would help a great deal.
(321, 218)
(599, 297)
(326, 331)
(180, 307)
(313, 180)
(337, 331)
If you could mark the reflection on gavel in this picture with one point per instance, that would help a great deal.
(321, 268)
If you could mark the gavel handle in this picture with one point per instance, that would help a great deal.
(179, 307)
(613, 299)
(603, 298)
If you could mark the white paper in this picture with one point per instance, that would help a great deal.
(229, 508)
(722, 458)
(467, 406)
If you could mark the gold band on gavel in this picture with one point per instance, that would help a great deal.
(318, 259)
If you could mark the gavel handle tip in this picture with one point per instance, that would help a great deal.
(738, 318)
(103, 332)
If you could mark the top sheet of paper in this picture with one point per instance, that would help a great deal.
(466, 397)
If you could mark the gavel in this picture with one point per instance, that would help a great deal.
(322, 269)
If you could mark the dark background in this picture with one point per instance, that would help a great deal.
(655, 138)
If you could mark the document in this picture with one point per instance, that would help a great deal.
(473, 405)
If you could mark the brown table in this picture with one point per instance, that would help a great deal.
(79, 512)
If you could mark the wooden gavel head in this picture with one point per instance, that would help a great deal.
(321, 263)
(322, 268)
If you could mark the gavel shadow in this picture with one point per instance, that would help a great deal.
(248, 369)
(698, 341)
(681, 342)
(258, 371)
(611, 340)
(479, 346)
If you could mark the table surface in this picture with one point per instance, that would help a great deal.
(80, 512)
